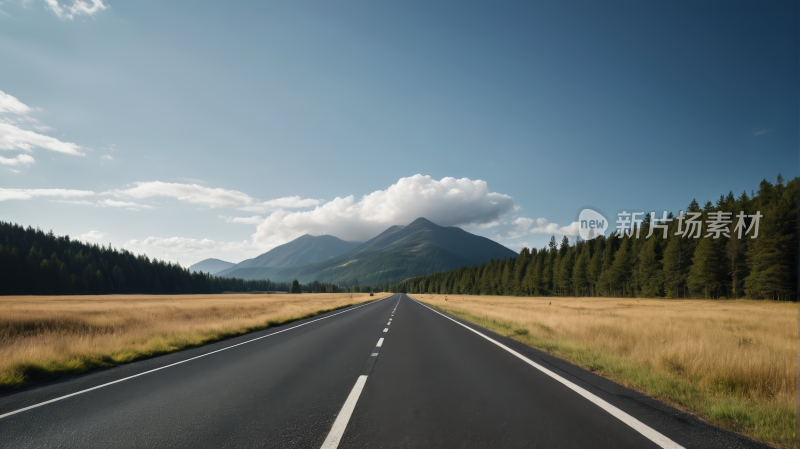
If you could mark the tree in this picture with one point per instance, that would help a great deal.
(705, 273)
(649, 274)
(295, 287)
(580, 274)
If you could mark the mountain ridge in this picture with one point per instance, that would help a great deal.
(300, 251)
(399, 252)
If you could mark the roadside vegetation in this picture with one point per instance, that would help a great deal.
(729, 362)
(42, 337)
(714, 266)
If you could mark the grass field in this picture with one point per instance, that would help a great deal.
(45, 336)
(729, 362)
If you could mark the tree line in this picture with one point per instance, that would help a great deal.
(678, 266)
(33, 262)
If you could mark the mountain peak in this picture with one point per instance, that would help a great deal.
(422, 221)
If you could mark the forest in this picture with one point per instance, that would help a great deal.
(33, 262)
(678, 266)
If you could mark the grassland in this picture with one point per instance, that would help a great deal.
(45, 336)
(729, 362)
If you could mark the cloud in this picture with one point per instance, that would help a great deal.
(21, 159)
(545, 227)
(209, 197)
(129, 205)
(94, 236)
(79, 7)
(12, 137)
(80, 202)
(10, 104)
(26, 194)
(190, 250)
(171, 243)
(107, 157)
(448, 202)
(256, 219)
(760, 131)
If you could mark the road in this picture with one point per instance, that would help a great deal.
(392, 373)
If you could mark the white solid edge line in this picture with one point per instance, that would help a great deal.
(335, 435)
(380, 343)
(176, 363)
(634, 423)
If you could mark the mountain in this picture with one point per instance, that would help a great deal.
(211, 266)
(398, 253)
(300, 251)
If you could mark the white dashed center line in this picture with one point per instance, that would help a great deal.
(380, 343)
(386, 330)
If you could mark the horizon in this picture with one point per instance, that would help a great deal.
(125, 126)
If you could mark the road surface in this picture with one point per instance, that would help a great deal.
(392, 373)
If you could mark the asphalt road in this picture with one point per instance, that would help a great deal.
(330, 381)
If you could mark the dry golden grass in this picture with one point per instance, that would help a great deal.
(732, 362)
(44, 336)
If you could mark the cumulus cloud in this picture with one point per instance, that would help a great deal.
(171, 243)
(78, 7)
(209, 197)
(107, 157)
(94, 236)
(256, 219)
(545, 227)
(26, 194)
(21, 159)
(447, 202)
(188, 250)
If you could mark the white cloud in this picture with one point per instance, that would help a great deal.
(545, 227)
(81, 202)
(256, 219)
(171, 243)
(209, 197)
(12, 137)
(94, 236)
(9, 103)
(79, 7)
(107, 157)
(448, 202)
(129, 205)
(26, 194)
(189, 250)
(21, 159)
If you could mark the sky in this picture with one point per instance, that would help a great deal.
(194, 129)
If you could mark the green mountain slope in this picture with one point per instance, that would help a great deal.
(398, 253)
(300, 251)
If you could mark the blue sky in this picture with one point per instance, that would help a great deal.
(242, 122)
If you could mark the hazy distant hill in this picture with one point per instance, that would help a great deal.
(300, 251)
(398, 253)
(211, 266)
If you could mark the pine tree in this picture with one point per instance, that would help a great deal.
(705, 272)
(649, 275)
(580, 274)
